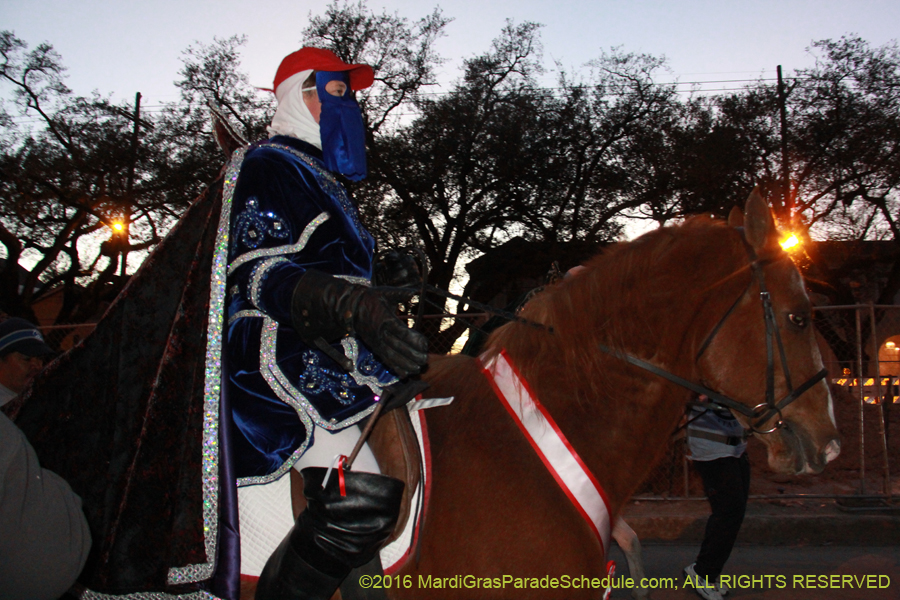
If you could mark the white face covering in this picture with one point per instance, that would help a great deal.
(292, 117)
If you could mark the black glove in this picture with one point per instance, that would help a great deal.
(394, 269)
(330, 308)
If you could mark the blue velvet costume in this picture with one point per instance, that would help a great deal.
(289, 214)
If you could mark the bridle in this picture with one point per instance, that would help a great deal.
(764, 411)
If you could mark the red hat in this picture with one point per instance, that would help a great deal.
(361, 76)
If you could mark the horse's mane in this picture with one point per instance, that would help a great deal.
(617, 298)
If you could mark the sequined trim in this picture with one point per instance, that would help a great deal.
(243, 314)
(259, 275)
(284, 468)
(268, 366)
(326, 180)
(355, 279)
(281, 250)
(200, 595)
(212, 390)
(363, 371)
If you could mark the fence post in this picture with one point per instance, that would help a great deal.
(859, 387)
(882, 430)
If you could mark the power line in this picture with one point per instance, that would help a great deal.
(161, 108)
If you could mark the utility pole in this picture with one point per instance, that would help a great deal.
(787, 204)
(129, 193)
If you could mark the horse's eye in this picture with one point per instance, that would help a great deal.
(798, 320)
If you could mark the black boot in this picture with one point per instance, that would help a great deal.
(332, 536)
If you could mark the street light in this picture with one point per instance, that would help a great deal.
(790, 242)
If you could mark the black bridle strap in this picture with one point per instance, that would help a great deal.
(771, 332)
(715, 330)
(793, 395)
(773, 337)
(714, 396)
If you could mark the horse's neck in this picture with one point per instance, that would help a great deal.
(653, 310)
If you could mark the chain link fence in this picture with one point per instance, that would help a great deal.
(860, 346)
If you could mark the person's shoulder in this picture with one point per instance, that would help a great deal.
(286, 147)
(274, 156)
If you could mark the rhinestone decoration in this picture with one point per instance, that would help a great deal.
(252, 226)
(244, 314)
(286, 391)
(364, 370)
(327, 181)
(354, 279)
(199, 595)
(317, 379)
(280, 250)
(212, 388)
(258, 276)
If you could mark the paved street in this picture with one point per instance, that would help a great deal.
(793, 563)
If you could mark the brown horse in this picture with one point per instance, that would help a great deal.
(494, 510)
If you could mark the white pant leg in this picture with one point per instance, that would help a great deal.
(266, 515)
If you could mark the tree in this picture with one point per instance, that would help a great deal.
(707, 152)
(66, 180)
(187, 158)
(845, 147)
(85, 184)
(402, 54)
(461, 170)
(606, 141)
(847, 142)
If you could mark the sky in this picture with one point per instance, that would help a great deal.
(121, 47)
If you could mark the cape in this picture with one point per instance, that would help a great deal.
(126, 417)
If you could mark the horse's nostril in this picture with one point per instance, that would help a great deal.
(832, 450)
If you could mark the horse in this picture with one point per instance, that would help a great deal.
(689, 300)
(683, 299)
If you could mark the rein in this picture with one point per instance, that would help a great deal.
(421, 289)
(766, 410)
(760, 413)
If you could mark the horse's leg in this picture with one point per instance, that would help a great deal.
(628, 541)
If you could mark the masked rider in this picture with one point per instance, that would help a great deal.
(309, 346)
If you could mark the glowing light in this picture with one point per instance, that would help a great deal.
(790, 242)
(890, 345)
(118, 227)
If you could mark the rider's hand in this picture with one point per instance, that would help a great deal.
(330, 307)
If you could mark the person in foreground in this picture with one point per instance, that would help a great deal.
(310, 347)
(718, 449)
(22, 353)
(44, 537)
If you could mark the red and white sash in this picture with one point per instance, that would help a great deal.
(557, 454)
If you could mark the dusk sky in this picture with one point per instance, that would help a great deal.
(123, 47)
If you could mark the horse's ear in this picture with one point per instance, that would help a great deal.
(759, 226)
(227, 137)
(735, 217)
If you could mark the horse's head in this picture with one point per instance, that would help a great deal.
(736, 362)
